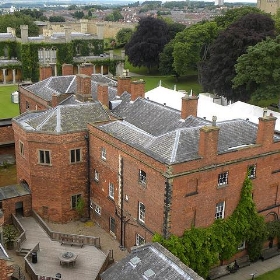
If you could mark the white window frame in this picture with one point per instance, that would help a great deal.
(21, 148)
(103, 153)
(252, 169)
(223, 178)
(75, 155)
(220, 210)
(44, 157)
(111, 190)
(140, 240)
(142, 177)
(97, 209)
(141, 212)
(74, 200)
(96, 175)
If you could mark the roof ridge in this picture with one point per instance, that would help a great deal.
(175, 146)
(70, 84)
(46, 119)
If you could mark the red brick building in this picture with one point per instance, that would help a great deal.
(142, 167)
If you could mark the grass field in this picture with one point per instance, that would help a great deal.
(7, 108)
(8, 175)
(272, 275)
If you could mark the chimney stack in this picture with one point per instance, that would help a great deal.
(86, 69)
(123, 85)
(54, 100)
(24, 33)
(45, 72)
(266, 129)
(137, 89)
(67, 69)
(208, 142)
(83, 87)
(189, 106)
(102, 94)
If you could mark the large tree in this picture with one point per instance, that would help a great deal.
(232, 15)
(15, 21)
(218, 71)
(259, 70)
(191, 46)
(147, 42)
(123, 36)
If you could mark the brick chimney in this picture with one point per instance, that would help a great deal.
(86, 69)
(83, 92)
(45, 72)
(102, 94)
(137, 89)
(54, 100)
(67, 69)
(123, 85)
(208, 141)
(266, 129)
(189, 106)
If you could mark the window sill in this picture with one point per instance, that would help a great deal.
(143, 184)
(222, 186)
(44, 164)
(111, 198)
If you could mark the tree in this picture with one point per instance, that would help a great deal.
(232, 15)
(218, 71)
(123, 36)
(15, 21)
(166, 60)
(78, 14)
(191, 46)
(147, 42)
(258, 70)
(56, 19)
(115, 16)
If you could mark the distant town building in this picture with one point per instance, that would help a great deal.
(268, 6)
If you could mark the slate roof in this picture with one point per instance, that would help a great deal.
(153, 117)
(67, 84)
(150, 261)
(179, 144)
(13, 191)
(62, 119)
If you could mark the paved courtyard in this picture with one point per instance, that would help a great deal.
(48, 258)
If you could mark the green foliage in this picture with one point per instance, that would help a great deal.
(217, 72)
(80, 208)
(232, 15)
(191, 46)
(202, 248)
(78, 14)
(14, 21)
(56, 19)
(123, 36)
(115, 16)
(258, 70)
(9, 233)
(147, 42)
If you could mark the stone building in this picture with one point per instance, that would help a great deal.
(141, 167)
(268, 6)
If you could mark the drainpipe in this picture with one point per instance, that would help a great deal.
(122, 215)
(167, 205)
(88, 175)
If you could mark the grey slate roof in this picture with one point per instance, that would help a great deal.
(62, 119)
(13, 191)
(67, 84)
(153, 117)
(150, 259)
(181, 143)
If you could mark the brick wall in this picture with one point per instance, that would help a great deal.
(31, 102)
(6, 134)
(9, 207)
(194, 185)
(52, 185)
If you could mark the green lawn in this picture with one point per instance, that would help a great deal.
(7, 108)
(272, 275)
